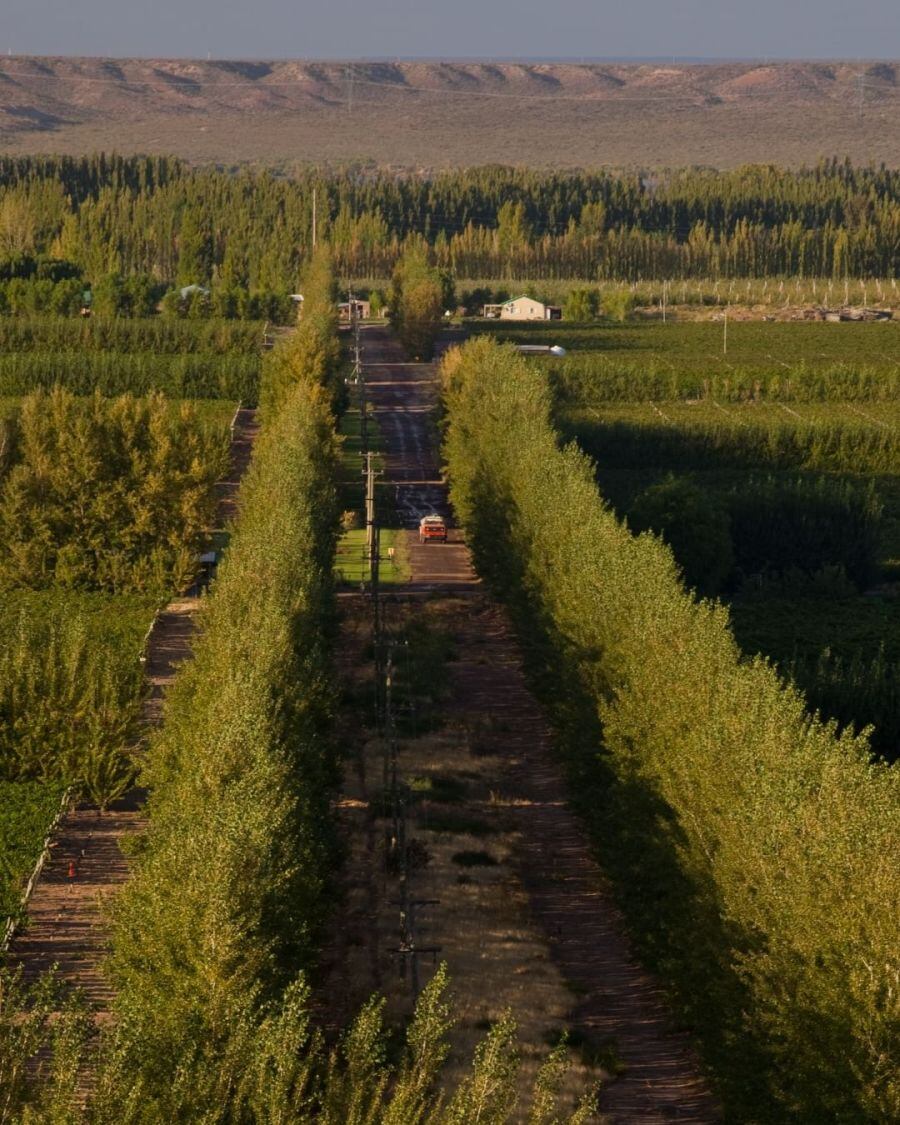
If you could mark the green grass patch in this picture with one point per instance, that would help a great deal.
(435, 787)
(352, 564)
(458, 824)
(27, 809)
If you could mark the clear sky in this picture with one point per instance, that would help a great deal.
(453, 28)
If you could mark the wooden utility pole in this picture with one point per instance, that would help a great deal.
(372, 536)
(370, 501)
(314, 217)
(725, 333)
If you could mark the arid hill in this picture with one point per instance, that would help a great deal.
(435, 114)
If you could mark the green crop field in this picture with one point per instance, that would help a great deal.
(26, 811)
(160, 335)
(791, 443)
(780, 362)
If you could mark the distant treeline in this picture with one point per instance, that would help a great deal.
(251, 231)
(43, 285)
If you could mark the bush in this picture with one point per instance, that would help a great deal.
(694, 525)
(581, 305)
(618, 304)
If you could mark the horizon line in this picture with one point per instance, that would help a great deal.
(576, 60)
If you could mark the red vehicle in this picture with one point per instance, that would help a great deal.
(432, 529)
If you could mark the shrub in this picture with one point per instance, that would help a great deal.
(581, 305)
(694, 525)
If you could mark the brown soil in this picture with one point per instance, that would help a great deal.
(244, 431)
(430, 115)
(568, 893)
(536, 928)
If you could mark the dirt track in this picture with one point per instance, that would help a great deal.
(554, 870)
(401, 396)
(65, 925)
(569, 896)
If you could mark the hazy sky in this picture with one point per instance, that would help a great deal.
(453, 28)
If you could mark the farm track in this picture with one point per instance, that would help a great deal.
(401, 398)
(66, 926)
(568, 898)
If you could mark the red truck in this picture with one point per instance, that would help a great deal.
(432, 529)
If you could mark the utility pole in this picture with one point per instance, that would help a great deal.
(358, 377)
(408, 947)
(371, 527)
(349, 75)
(314, 217)
(664, 294)
(725, 333)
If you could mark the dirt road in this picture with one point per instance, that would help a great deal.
(541, 883)
(401, 396)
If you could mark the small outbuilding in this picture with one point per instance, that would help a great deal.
(362, 309)
(523, 308)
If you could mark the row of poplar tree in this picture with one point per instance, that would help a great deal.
(250, 232)
(754, 846)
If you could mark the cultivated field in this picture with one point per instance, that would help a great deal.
(586, 811)
(796, 424)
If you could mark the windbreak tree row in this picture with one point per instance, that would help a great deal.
(116, 217)
(314, 354)
(228, 888)
(754, 847)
